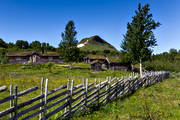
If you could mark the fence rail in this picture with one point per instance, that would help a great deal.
(70, 100)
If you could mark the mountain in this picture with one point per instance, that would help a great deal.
(95, 43)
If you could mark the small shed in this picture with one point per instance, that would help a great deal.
(96, 65)
(90, 58)
(116, 64)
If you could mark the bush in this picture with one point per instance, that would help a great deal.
(158, 65)
(3, 56)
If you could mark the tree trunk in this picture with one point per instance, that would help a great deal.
(70, 66)
(140, 68)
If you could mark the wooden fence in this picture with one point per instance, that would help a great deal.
(70, 100)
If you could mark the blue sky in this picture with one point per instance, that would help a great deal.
(44, 20)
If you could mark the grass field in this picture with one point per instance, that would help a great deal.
(157, 102)
(27, 76)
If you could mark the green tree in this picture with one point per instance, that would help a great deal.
(139, 38)
(173, 52)
(49, 47)
(3, 56)
(36, 45)
(2, 43)
(11, 45)
(68, 46)
(21, 44)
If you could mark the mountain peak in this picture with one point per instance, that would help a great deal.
(95, 43)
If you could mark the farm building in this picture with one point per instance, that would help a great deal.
(33, 56)
(91, 58)
(116, 64)
(96, 65)
(110, 63)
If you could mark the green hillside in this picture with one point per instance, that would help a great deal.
(95, 43)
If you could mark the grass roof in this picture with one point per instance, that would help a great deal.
(24, 53)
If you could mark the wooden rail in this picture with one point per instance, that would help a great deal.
(69, 100)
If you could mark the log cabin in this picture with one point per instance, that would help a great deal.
(33, 56)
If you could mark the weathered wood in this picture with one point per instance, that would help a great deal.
(7, 111)
(103, 85)
(11, 101)
(80, 90)
(113, 79)
(83, 97)
(86, 94)
(70, 100)
(91, 89)
(106, 88)
(41, 100)
(57, 102)
(62, 115)
(77, 109)
(21, 105)
(45, 99)
(78, 97)
(103, 93)
(99, 88)
(102, 101)
(27, 91)
(57, 110)
(90, 85)
(3, 88)
(36, 106)
(92, 103)
(33, 115)
(56, 89)
(68, 84)
(15, 102)
(77, 104)
(96, 96)
(18, 94)
(57, 96)
(6, 99)
(93, 93)
(109, 89)
(77, 87)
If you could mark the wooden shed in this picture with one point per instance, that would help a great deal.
(96, 65)
(116, 64)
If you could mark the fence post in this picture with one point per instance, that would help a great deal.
(109, 89)
(86, 95)
(67, 94)
(106, 89)
(41, 100)
(70, 100)
(83, 93)
(45, 99)
(15, 102)
(129, 81)
(117, 87)
(95, 82)
(11, 101)
(99, 86)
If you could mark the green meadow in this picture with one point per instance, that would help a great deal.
(160, 101)
(157, 102)
(29, 75)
